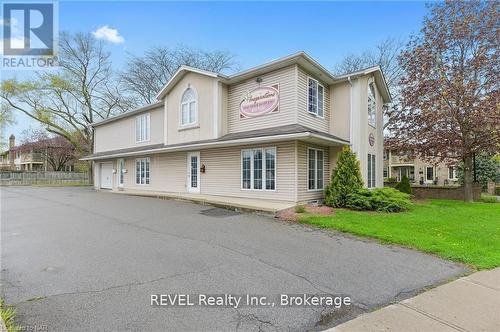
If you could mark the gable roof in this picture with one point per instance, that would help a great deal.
(300, 58)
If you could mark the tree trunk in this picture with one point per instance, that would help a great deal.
(468, 183)
(91, 172)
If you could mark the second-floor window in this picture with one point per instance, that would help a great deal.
(315, 100)
(189, 107)
(142, 128)
(372, 104)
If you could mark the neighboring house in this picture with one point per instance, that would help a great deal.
(418, 171)
(17, 158)
(270, 132)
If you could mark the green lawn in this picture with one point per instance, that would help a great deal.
(467, 233)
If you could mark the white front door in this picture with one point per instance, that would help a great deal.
(193, 172)
(107, 175)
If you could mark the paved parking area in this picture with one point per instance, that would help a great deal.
(78, 260)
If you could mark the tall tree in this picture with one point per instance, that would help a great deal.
(450, 97)
(146, 75)
(84, 90)
(385, 54)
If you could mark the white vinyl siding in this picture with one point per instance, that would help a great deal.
(315, 97)
(285, 78)
(315, 169)
(371, 171)
(142, 128)
(142, 168)
(258, 169)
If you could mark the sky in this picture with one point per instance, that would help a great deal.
(254, 32)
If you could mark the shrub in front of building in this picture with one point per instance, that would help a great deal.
(346, 179)
(379, 199)
(404, 186)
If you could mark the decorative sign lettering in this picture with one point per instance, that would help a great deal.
(260, 101)
(371, 139)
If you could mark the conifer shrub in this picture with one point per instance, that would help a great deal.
(346, 179)
(404, 186)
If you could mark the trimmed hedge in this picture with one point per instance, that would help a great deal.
(379, 199)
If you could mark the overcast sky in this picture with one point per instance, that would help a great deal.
(255, 32)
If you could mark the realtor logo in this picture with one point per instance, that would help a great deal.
(29, 29)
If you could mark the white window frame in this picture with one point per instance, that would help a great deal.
(370, 103)
(317, 99)
(315, 169)
(264, 170)
(454, 170)
(371, 171)
(433, 174)
(148, 160)
(191, 122)
(143, 128)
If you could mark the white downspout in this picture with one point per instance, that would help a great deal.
(350, 111)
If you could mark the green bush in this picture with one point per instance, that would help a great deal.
(346, 179)
(485, 198)
(404, 186)
(380, 199)
(300, 209)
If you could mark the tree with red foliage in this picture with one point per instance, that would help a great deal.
(56, 150)
(450, 88)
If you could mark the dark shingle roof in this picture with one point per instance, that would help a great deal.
(273, 131)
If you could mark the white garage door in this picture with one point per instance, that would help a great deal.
(107, 175)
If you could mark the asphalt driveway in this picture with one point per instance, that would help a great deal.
(78, 260)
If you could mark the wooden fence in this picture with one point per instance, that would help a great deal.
(42, 178)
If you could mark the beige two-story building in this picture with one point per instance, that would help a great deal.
(272, 132)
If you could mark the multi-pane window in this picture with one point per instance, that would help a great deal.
(142, 171)
(372, 104)
(371, 171)
(189, 107)
(386, 172)
(315, 100)
(258, 169)
(194, 171)
(315, 169)
(142, 128)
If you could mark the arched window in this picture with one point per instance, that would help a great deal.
(372, 104)
(189, 107)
